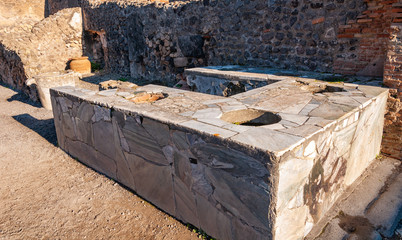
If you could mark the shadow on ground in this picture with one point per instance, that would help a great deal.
(20, 96)
(24, 99)
(44, 128)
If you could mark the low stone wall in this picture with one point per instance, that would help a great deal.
(39, 47)
(185, 173)
(214, 81)
(233, 181)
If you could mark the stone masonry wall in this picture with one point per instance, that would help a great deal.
(392, 139)
(11, 10)
(30, 49)
(156, 40)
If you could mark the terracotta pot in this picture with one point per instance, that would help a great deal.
(81, 65)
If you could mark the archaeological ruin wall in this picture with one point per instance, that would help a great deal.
(39, 47)
(13, 10)
(392, 139)
(157, 40)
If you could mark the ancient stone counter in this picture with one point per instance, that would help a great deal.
(199, 158)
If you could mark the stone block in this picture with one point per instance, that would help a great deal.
(293, 175)
(267, 139)
(68, 125)
(212, 220)
(180, 61)
(179, 139)
(242, 231)
(124, 174)
(101, 113)
(210, 129)
(185, 205)
(199, 183)
(242, 199)
(57, 123)
(158, 131)
(90, 157)
(85, 112)
(83, 152)
(105, 165)
(119, 117)
(296, 218)
(367, 139)
(153, 182)
(142, 144)
(237, 163)
(191, 45)
(84, 131)
(65, 104)
(123, 171)
(104, 138)
(208, 113)
(182, 168)
(305, 130)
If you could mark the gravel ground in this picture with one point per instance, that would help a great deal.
(44, 193)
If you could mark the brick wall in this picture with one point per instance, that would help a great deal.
(371, 30)
(378, 31)
(392, 139)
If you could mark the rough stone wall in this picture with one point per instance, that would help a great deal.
(57, 5)
(11, 10)
(392, 140)
(157, 39)
(45, 46)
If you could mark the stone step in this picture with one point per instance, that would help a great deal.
(386, 211)
(370, 209)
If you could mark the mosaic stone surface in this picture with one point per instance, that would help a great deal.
(229, 180)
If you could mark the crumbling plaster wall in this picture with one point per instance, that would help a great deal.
(44, 46)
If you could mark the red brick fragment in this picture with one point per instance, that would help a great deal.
(345, 35)
(318, 20)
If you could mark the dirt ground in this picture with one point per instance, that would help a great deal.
(46, 194)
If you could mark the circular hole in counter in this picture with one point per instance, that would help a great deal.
(251, 117)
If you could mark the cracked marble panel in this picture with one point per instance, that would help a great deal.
(230, 180)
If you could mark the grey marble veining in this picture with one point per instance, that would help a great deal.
(230, 178)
